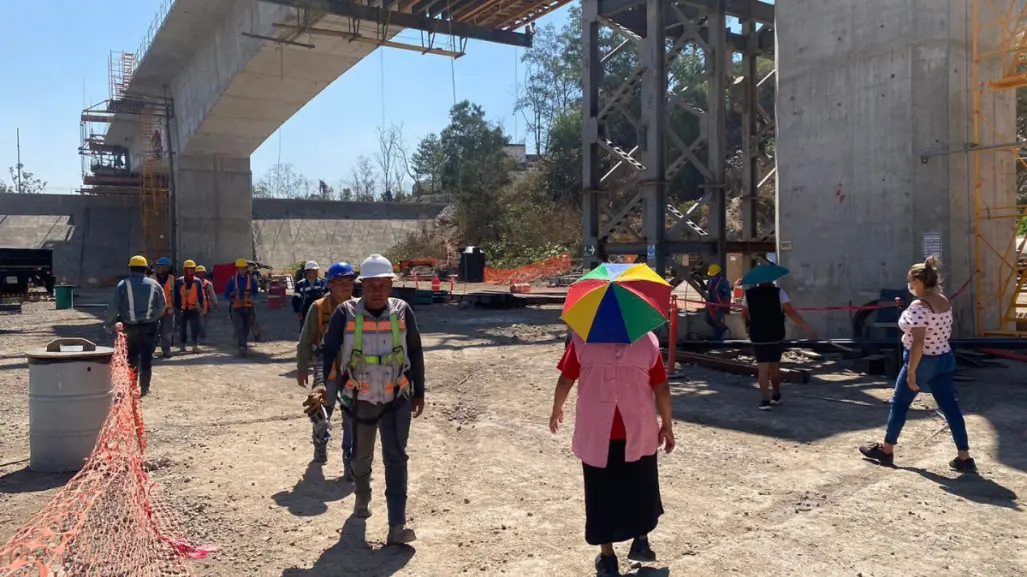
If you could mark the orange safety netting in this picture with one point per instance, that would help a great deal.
(550, 267)
(106, 521)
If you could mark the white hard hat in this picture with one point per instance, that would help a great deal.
(311, 265)
(376, 266)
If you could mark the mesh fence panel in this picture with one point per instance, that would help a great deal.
(108, 520)
(550, 267)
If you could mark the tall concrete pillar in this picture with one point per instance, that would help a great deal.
(213, 208)
(865, 89)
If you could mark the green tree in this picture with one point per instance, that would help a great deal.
(426, 164)
(475, 167)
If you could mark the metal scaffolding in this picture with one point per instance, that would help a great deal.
(661, 30)
(999, 69)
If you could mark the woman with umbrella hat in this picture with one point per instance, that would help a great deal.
(764, 308)
(622, 385)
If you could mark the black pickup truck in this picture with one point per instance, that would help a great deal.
(20, 267)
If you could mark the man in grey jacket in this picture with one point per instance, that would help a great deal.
(136, 308)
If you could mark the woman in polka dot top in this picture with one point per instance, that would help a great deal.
(927, 361)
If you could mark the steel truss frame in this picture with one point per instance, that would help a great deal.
(660, 29)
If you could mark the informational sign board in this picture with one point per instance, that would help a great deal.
(932, 244)
(651, 253)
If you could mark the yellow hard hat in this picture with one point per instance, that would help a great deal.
(138, 260)
(201, 268)
(242, 263)
(189, 264)
(714, 269)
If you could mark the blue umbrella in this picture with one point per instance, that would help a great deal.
(764, 273)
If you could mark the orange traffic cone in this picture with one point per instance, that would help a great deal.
(436, 284)
(417, 285)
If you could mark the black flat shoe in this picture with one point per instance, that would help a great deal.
(641, 552)
(875, 452)
(965, 466)
(607, 566)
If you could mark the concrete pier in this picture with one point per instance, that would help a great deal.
(865, 89)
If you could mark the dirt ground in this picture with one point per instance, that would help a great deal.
(492, 492)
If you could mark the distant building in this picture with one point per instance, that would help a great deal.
(522, 160)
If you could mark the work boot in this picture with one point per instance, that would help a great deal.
(362, 506)
(400, 535)
(181, 348)
(321, 453)
(242, 351)
(196, 347)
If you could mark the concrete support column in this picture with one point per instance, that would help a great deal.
(213, 206)
(859, 102)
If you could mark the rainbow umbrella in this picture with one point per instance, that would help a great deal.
(617, 303)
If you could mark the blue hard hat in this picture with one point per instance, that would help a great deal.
(340, 270)
(164, 261)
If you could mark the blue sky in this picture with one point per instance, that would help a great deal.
(53, 71)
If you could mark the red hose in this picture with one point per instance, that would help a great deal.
(1004, 354)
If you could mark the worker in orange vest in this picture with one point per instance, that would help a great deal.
(167, 321)
(241, 292)
(210, 300)
(190, 304)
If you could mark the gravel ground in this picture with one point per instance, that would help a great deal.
(492, 492)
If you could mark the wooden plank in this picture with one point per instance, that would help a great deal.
(738, 367)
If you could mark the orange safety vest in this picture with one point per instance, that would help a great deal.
(206, 295)
(190, 296)
(246, 300)
(169, 287)
(324, 314)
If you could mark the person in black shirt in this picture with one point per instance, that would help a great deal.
(764, 308)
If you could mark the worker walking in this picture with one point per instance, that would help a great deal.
(308, 290)
(210, 300)
(718, 299)
(375, 339)
(190, 303)
(340, 279)
(167, 321)
(241, 292)
(135, 308)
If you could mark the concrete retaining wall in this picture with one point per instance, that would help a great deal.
(288, 231)
(93, 237)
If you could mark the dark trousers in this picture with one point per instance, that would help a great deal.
(242, 321)
(394, 426)
(139, 340)
(190, 320)
(167, 333)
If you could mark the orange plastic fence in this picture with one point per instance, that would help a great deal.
(108, 520)
(550, 267)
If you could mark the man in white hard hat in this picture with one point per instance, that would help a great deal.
(379, 348)
(307, 291)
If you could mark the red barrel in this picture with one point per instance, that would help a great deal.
(275, 294)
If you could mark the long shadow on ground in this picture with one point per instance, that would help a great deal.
(821, 409)
(353, 556)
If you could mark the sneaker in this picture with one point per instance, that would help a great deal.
(641, 551)
(606, 566)
(776, 399)
(400, 535)
(362, 506)
(965, 466)
(196, 348)
(764, 406)
(321, 453)
(875, 452)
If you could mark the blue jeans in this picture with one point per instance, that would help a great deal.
(934, 372)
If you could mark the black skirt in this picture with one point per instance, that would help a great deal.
(622, 501)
